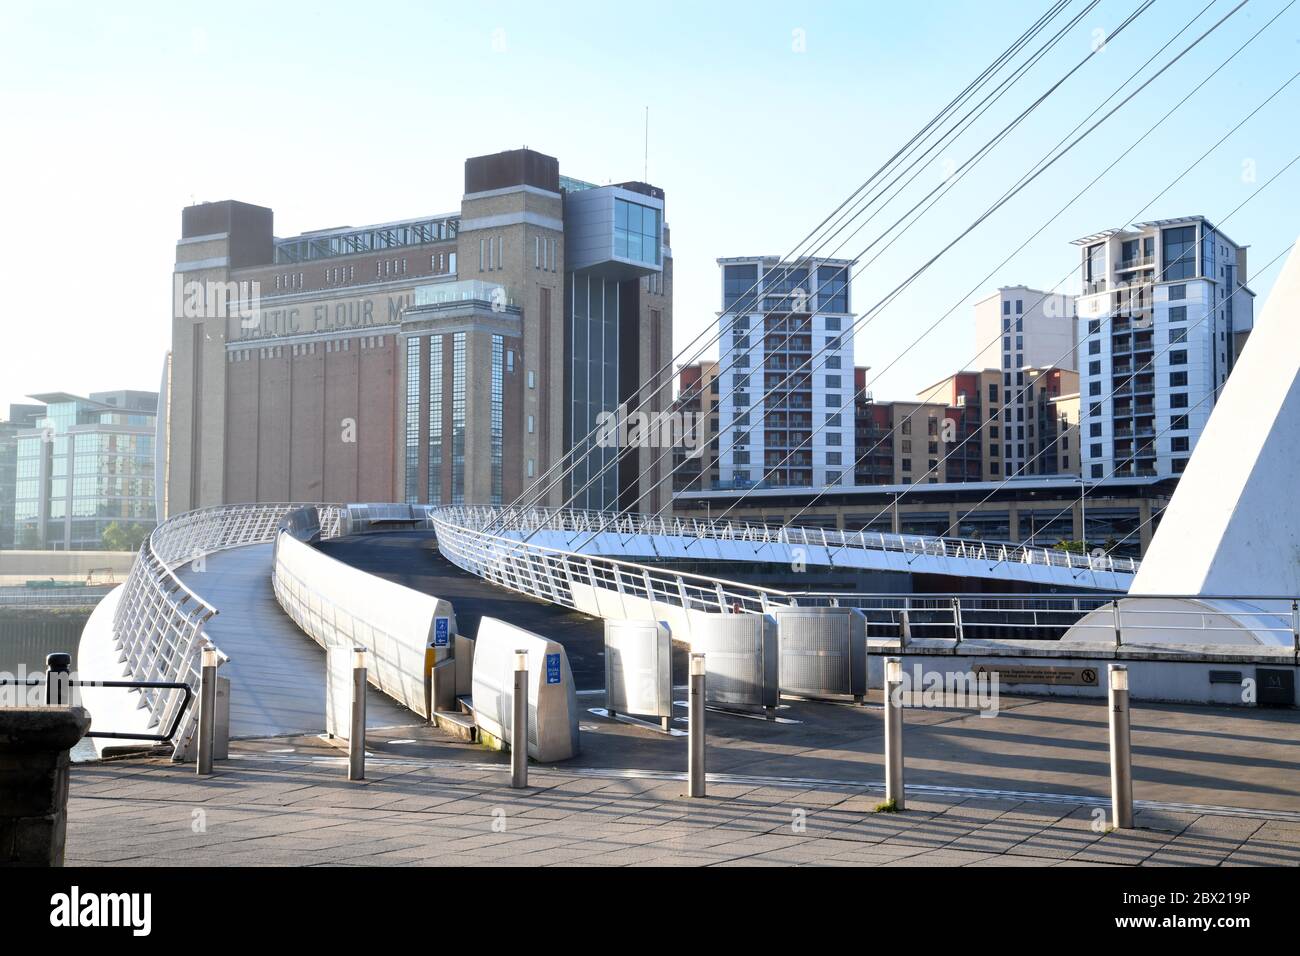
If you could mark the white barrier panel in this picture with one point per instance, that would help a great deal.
(638, 668)
(552, 698)
(338, 692)
(340, 606)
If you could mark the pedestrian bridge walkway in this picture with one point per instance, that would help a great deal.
(276, 672)
(651, 538)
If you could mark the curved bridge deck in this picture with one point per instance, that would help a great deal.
(410, 558)
(277, 673)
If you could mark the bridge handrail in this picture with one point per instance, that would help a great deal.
(159, 623)
(584, 522)
(550, 573)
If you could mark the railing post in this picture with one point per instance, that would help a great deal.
(207, 709)
(1295, 627)
(519, 724)
(695, 727)
(956, 619)
(1121, 753)
(1116, 615)
(357, 735)
(894, 790)
(56, 680)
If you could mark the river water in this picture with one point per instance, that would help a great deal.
(23, 655)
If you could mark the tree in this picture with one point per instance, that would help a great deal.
(116, 537)
(1077, 547)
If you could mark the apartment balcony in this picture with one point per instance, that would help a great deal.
(1137, 262)
(1091, 288)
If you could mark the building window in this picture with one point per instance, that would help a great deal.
(458, 417)
(636, 232)
(435, 420)
(1178, 357)
(412, 419)
(1177, 292)
(1177, 379)
(1179, 246)
(495, 437)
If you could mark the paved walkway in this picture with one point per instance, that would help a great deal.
(267, 806)
(277, 673)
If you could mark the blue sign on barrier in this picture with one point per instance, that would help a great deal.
(552, 668)
(441, 631)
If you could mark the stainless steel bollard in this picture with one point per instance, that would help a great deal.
(695, 729)
(207, 709)
(519, 725)
(357, 737)
(57, 691)
(894, 789)
(1121, 752)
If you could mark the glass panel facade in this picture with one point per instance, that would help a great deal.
(833, 289)
(738, 292)
(593, 329)
(498, 389)
(1179, 253)
(434, 493)
(458, 418)
(412, 419)
(636, 232)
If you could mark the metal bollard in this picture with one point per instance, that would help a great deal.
(519, 725)
(894, 733)
(357, 737)
(695, 728)
(57, 677)
(1121, 752)
(207, 709)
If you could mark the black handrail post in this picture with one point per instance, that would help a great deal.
(57, 668)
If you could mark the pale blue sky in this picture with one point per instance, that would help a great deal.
(116, 116)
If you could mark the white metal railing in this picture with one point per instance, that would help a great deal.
(53, 597)
(556, 575)
(508, 521)
(159, 621)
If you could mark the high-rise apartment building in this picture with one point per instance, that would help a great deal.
(1018, 328)
(81, 465)
(786, 369)
(444, 359)
(1164, 313)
